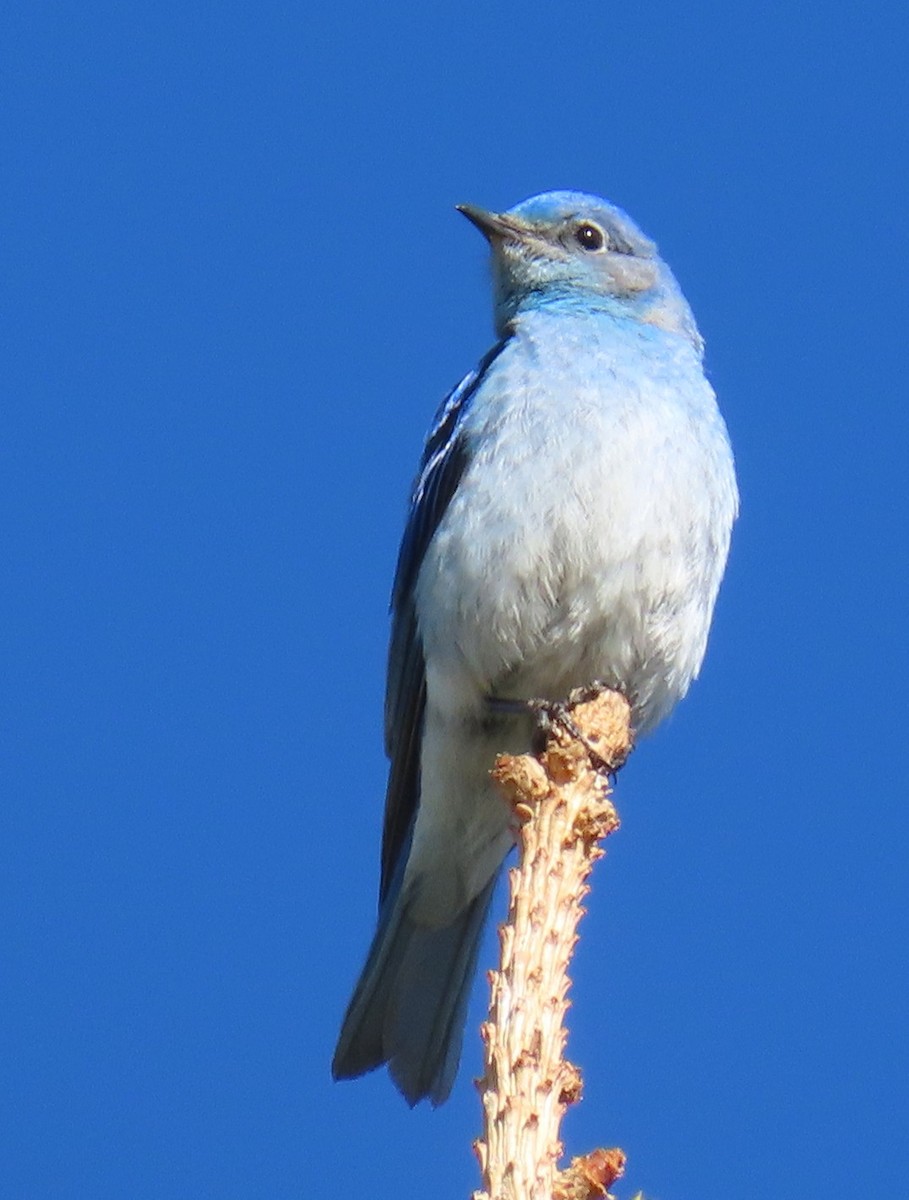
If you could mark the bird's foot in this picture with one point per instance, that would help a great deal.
(547, 713)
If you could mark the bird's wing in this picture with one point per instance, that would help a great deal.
(442, 465)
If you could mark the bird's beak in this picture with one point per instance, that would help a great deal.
(496, 226)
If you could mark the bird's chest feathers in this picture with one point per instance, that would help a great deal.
(582, 461)
(575, 447)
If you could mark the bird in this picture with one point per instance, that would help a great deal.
(569, 524)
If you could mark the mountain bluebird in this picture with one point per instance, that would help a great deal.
(569, 524)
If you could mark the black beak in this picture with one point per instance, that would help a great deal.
(494, 225)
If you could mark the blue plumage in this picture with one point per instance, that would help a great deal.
(570, 523)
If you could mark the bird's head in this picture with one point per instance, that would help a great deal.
(572, 249)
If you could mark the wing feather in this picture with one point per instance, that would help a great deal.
(445, 458)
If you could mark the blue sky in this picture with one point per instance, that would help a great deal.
(233, 290)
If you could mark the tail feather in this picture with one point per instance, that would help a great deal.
(410, 1004)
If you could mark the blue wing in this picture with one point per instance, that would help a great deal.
(444, 460)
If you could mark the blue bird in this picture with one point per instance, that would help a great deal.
(569, 524)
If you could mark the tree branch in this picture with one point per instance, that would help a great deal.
(562, 807)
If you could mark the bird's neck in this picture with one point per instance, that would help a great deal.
(643, 310)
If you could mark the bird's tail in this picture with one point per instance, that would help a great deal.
(410, 1004)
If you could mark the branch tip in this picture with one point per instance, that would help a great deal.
(562, 811)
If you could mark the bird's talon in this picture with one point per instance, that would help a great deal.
(547, 713)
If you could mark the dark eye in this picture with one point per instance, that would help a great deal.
(590, 236)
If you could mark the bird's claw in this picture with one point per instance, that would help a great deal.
(548, 713)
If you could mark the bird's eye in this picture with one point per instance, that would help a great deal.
(590, 236)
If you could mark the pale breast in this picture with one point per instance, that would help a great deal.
(588, 535)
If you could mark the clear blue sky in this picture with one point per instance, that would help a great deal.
(233, 289)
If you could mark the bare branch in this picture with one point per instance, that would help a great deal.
(562, 806)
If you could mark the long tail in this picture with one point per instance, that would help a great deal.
(410, 1004)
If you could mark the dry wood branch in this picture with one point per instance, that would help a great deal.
(561, 802)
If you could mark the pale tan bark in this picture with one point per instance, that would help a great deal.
(562, 806)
